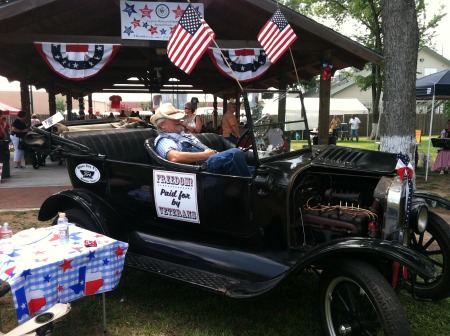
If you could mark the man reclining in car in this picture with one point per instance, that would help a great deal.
(176, 146)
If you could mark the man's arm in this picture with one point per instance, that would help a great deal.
(189, 157)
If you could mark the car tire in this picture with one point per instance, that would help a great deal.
(355, 299)
(434, 243)
(81, 218)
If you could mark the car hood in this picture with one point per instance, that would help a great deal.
(356, 159)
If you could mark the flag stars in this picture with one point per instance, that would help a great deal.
(279, 20)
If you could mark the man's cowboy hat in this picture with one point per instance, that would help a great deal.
(167, 111)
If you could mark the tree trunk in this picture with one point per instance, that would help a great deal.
(401, 43)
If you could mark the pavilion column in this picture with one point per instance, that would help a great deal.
(324, 107)
(51, 100)
(90, 103)
(215, 111)
(81, 106)
(69, 105)
(25, 98)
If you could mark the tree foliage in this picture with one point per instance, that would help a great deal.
(367, 19)
(60, 104)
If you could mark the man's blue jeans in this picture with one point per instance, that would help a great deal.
(354, 133)
(229, 162)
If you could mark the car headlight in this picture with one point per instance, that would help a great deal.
(419, 218)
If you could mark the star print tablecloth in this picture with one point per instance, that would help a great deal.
(43, 271)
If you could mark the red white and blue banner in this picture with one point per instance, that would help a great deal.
(151, 20)
(76, 61)
(247, 64)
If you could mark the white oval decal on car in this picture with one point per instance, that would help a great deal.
(87, 173)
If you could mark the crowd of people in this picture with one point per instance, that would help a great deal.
(188, 122)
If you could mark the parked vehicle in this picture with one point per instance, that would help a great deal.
(336, 210)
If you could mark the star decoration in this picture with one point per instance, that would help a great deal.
(128, 30)
(55, 237)
(146, 11)
(178, 12)
(105, 261)
(163, 31)
(145, 25)
(153, 30)
(60, 288)
(91, 255)
(26, 273)
(119, 251)
(172, 29)
(66, 265)
(136, 23)
(47, 278)
(129, 9)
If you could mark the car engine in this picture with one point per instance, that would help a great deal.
(336, 206)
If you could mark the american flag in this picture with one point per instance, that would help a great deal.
(190, 39)
(276, 36)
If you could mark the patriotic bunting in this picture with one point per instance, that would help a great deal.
(247, 64)
(189, 40)
(276, 36)
(76, 61)
(405, 170)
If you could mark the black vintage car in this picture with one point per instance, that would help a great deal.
(335, 210)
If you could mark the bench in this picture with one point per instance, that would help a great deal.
(122, 144)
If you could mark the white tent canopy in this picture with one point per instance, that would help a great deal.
(338, 106)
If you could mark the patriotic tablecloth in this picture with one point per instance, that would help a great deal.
(43, 271)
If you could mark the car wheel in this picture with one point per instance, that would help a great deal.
(81, 218)
(434, 243)
(357, 300)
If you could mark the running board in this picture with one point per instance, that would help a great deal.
(206, 280)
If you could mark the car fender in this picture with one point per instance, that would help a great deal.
(431, 199)
(370, 249)
(105, 218)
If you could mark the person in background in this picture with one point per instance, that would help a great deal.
(18, 131)
(230, 128)
(35, 120)
(243, 119)
(177, 146)
(335, 125)
(91, 114)
(192, 122)
(442, 161)
(209, 128)
(122, 114)
(4, 127)
(354, 127)
(111, 115)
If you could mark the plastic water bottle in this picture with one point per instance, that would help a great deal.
(7, 243)
(63, 228)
